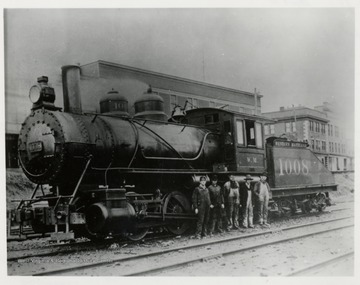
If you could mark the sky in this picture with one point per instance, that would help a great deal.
(292, 56)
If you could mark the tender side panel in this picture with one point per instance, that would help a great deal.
(296, 167)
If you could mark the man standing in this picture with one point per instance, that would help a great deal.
(201, 204)
(217, 203)
(263, 192)
(233, 202)
(246, 200)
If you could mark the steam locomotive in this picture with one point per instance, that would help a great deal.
(113, 174)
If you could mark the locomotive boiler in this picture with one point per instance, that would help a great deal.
(113, 174)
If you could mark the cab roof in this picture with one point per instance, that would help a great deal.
(234, 113)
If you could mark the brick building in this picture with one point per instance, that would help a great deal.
(316, 127)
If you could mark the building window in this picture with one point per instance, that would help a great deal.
(336, 131)
(336, 149)
(311, 126)
(272, 129)
(323, 128)
(312, 144)
(266, 130)
(317, 127)
(317, 145)
(323, 145)
(331, 130)
(287, 127)
(293, 126)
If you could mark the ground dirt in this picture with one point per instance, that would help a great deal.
(18, 186)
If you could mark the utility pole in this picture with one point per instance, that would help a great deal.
(255, 96)
(295, 122)
(203, 64)
(294, 113)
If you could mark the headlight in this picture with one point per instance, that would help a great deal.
(35, 93)
(42, 95)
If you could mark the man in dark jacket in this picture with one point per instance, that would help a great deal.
(246, 201)
(217, 203)
(201, 204)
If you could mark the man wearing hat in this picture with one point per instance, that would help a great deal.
(246, 201)
(201, 204)
(263, 191)
(217, 203)
(232, 202)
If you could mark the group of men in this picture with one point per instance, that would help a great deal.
(217, 208)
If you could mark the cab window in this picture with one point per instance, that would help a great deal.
(259, 137)
(250, 133)
(253, 133)
(211, 119)
(240, 132)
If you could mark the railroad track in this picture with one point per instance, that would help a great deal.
(80, 246)
(322, 264)
(170, 265)
(68, 248)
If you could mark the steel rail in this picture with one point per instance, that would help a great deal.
(161, 252)
(321, 264)
(82, 246)
(230, 252)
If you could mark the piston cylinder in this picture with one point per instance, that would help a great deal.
(111, 212)
(100, 219)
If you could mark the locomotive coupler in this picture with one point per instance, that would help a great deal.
(61, 216)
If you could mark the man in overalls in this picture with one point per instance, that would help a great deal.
(263, 191)
(233, 202)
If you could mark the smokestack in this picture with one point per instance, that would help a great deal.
(71, 89)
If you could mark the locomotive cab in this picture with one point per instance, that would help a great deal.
(242, 138)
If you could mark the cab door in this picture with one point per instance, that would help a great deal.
(250, 152)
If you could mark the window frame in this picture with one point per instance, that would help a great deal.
(259, 142)
(243, 131)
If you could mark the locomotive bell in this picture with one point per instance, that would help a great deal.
(114, 103)
(150, 106)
